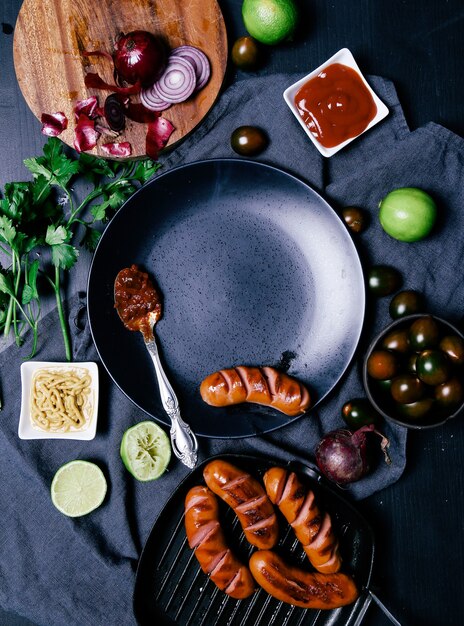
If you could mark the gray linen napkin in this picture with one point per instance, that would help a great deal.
(56, 570)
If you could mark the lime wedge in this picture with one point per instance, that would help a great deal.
(145, 450)
(78, 488)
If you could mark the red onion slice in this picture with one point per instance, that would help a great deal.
(53, 124)
(152, 101)
(198, 59)
(121, 149)
(178, 81)
(158, 135)
(85, 134)
(88, 107)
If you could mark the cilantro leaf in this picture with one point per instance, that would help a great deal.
(41, 190)
(98, 211)
(145, 170)
(27, 295)
(91, 238)
(56, 235)
(6, 284)
(18, 197)
(54, 166)
(7, 231)
(119, 193)
(64, 255)
(30, 289)
(94, 168)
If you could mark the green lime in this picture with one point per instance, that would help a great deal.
(270, 21)
(78, 488)
(407, 214)
(145, 451)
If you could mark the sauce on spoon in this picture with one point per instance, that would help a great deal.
(137, 301)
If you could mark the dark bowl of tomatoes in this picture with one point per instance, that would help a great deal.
(413, 371)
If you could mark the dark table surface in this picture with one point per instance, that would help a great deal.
(418, 44)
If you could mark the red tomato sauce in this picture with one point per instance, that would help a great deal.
(335, 105)
(135, 299)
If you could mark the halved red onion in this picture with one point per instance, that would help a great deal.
(88, 107)
(53, 124)
(152, 101)
(158, 135)
(114, 112)
(198, 59)
(178, 81)
(85, 134)
(115, 149)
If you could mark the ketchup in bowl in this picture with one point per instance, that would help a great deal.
(335, 105)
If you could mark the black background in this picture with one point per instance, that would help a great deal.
(417, 44)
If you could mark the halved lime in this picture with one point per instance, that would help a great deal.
(78, 488)
(145, 450)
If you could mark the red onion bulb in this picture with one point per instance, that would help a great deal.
(342, 457)
(139, 56)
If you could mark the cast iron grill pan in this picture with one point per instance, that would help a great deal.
(170, 588)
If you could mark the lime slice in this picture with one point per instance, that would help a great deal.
(78, 488)
(145, 451)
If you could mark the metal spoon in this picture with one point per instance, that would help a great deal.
(131, 282)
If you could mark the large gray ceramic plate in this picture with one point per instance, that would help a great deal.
(255, 268)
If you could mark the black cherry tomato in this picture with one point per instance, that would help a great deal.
(406, 302)
(246, 53)
(382, 364)
(383, 280)
(407, 388)
(450, 393)
(397, 340)
(433, 367)
(354, 218)
(417, 409)
(424, 333)
(453, 346)
(359, 412)
(248, 140)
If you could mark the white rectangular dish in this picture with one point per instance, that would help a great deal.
(28, 429)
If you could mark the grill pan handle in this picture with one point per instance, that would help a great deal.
(371, 596)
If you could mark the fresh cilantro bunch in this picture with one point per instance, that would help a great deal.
(40, 222)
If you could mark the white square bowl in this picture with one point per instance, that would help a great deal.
(28, 430)
(344, 57)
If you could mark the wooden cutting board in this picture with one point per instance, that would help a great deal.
(50, 36)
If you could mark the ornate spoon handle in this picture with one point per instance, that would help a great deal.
(183, 440)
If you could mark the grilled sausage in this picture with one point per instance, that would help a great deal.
(205, 536)
(310, 590)
(247, 498)
(260, 385)
(312, 527)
